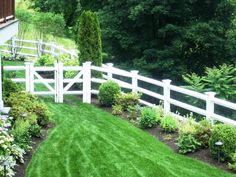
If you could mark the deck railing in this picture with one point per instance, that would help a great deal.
(7, 10)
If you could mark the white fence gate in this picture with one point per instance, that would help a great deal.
(60, 86)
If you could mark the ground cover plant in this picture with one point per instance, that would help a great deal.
(91, 142)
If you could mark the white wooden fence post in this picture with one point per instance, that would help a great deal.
(87, 82)
(166, 95)
(40, 48)
(134, 74)
(210, 106)
(53, 49)
(60, 82)
(29, 77)
(56, 82)
(13, 48)
(109, 74)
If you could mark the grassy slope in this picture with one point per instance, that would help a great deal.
(90, 142)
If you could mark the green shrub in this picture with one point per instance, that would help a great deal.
(169, 124)
(42, 113)
(134, 112)
(227, 135)
(127, 99)
(232, 164)
(203, 132)
(46, 60)
(188, 126)
(24, 105)
(219, 80)
(159, 111)
(187, 143)
(117, 110)
(148, 118)
(9, 87)
(108, 92)
(21, 134)
(35, 130)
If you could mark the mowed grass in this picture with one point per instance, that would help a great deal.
(89, 142)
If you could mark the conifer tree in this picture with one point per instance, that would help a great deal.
(89, 38)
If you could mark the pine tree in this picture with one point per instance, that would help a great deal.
(89, 38)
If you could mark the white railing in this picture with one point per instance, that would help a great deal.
(60, 86)
(35, 48)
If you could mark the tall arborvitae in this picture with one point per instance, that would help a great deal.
(89, 38)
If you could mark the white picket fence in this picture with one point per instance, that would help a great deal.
(35, 48)
(60, 86)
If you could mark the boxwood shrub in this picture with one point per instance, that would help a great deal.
(227, 135)
(108, 92)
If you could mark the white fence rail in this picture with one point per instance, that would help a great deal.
(60, 86)
(35, 49)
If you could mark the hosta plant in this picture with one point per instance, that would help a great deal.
(187, 143)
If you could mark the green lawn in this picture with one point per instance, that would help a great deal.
(89, 142)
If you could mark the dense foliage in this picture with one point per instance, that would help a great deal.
(89, 38)
(127, 100)
(168, 38)
(227, 135)
(148, 118)
(164, 38)
(25, 105)
(70, 9)
(9, 151)
(108, 92)
(39, 21)
(28, 116)
(169, 123)
(187, 143)
(9, 87)
(220, 80)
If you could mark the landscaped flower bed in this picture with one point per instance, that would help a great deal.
(190, 135)
(27, 117)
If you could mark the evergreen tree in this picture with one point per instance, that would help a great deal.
(89, 38)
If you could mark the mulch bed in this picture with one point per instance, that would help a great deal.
(170, 140)
(21, 168)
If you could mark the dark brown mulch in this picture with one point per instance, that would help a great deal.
(21, 168)
(170, 140)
